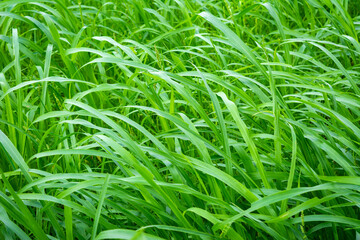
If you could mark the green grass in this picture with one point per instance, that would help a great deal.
(179, 119)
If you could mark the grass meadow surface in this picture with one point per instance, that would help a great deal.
(179, 119)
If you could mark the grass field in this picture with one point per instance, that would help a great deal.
(179, 119)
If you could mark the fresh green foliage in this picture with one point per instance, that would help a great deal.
(179, 119)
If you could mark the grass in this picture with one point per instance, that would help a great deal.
(179, 119)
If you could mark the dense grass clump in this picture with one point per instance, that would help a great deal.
(179, 119)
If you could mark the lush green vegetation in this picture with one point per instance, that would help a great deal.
(179, 119)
